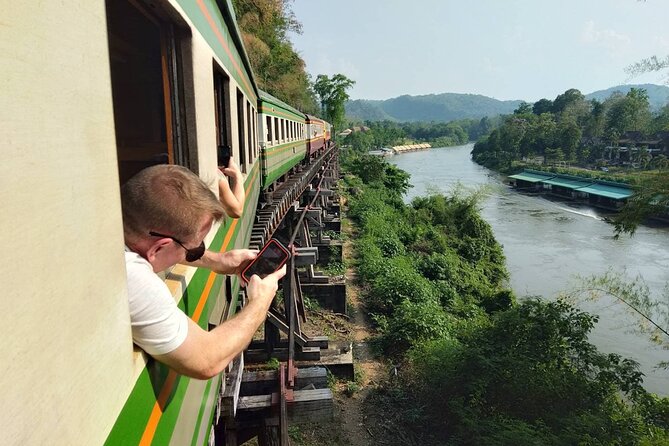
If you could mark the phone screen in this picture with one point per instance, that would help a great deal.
(223, 155)
(272, 257)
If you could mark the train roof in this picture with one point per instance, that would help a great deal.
(266, 98)
(315, 118)
(228, 12)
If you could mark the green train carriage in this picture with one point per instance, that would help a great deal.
(283, 138)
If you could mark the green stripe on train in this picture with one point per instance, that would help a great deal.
(275, 172)
(279, 150)
(200, 414)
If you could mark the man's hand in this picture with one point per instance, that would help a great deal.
(230, 262)
(232, 170)
(263, 290)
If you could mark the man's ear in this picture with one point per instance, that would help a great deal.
(155, 249)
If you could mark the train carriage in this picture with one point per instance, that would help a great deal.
(94, 92)
(283, 134)
(317, 130)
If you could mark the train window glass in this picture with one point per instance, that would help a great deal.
(255, 132)
(277, 130)
(269, 130)
(241, 135)
(249, 130)
(222, 108)
(147, 88)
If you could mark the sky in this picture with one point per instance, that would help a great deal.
(505, 49)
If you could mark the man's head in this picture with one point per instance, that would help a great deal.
(174, 203)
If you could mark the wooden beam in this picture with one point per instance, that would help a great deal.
(307, 405)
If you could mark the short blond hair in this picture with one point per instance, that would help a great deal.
(167, 198)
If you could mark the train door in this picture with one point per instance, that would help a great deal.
(147, 92)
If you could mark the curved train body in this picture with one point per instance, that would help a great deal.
(283, 132)
(94, 92)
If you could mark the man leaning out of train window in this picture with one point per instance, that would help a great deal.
(167, 212)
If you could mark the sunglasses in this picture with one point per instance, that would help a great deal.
(191, 254)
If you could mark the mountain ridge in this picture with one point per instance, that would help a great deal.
(444, 107)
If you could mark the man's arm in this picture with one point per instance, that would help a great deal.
(205, 354)
(232, 197)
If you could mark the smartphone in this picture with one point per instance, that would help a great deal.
(270, 258)
(223, 153)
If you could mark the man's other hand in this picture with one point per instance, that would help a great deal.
(265, 289)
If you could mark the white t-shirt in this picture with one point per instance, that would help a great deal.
(158, 325)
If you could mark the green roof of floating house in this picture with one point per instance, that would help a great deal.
(568, 182)
(615, 191)
(532, 176)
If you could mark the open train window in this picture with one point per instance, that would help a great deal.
(255, 133)
(147, 90)
(270, 137)
(222, 108)
(277, 130)
(241, 130)
(249, 130)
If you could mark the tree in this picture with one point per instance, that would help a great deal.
(569, 136)
(567, 98)
(278, 69)
(629, 113)
(333, 95)
(542, 106)
(523, 109)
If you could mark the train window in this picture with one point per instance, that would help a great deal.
(222, 108)
(269, 130)
(277, 130)
(249, 130)
(147, 88)
(241, 135)
(255, 132)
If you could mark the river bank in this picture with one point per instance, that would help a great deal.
(549, 243)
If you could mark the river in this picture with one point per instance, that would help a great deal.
(548, 243)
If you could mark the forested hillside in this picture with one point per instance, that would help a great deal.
(433, 107)
(658, 95)
(278, 69)
(451, 106)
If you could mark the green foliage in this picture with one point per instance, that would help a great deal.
(272, 364)
(277, 67)
(554, 130)
(373, 169)
(478, 367)
(351, 388)
(651, 313)
(531, 376)
(333, 95)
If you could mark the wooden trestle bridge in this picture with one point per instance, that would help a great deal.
(297, 211)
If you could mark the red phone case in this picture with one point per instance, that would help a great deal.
(270, 243)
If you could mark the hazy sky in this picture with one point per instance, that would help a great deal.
(506, 49)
